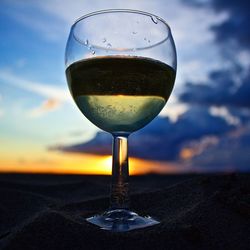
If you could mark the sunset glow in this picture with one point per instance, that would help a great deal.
(205, 125)
(81, 164)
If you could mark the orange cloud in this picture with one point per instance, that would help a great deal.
(197, 147)
(47, 106)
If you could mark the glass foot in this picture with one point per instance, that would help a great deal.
(121, 220)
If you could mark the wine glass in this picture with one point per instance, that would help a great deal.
(120, 68)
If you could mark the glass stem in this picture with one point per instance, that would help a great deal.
(119, 198)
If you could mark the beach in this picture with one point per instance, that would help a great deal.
(196, 212)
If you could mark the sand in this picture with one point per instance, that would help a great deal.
(196, 212)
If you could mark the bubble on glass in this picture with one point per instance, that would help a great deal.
(86, 42)
(134, 32)
(149, 41)
(108, 46)
(154, 19)
(104, 40)
(145, 38)
(90, 48)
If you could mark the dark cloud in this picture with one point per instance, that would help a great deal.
(242, 114)
(162, 139)
(228, 86)
(230, 153)
(220, 90)
(233, 31)
(100, 144)
(236, 28)
(166, 141)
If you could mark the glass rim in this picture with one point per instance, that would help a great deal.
(124, 11)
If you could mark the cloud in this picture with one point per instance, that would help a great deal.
(228, 86)
(162, 139)
(220, 90)
(233, 32)
(47, 106)
(225, 92)
(174, 109)
(100, 145)
(229, 153)
(235, 29)
(224, 113)
(42, 89)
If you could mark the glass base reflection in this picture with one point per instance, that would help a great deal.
(121, 220)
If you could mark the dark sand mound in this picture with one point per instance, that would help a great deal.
(196, 212)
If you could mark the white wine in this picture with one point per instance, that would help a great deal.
(120, 94)
(120, 112)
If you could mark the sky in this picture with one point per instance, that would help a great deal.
(204, 127)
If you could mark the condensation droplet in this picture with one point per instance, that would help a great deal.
(104, 40)
(145, 39)
(148, 41)
(134, 32)
(92, 52)
(154, 19)
(109, 45)
(86, 42)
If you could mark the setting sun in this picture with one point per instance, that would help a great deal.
(106, 164)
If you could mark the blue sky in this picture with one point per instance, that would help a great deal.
(208, 110)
